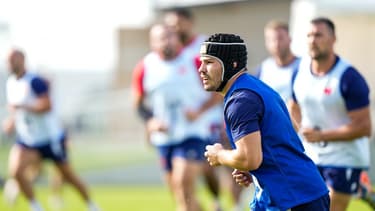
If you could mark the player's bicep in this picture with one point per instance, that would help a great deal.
(250, 146)
(361, 119)
(295, 111)
(137, 99)
(137, 79)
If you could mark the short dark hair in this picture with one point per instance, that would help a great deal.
(181, 11)
(276, 24)
(328, 22)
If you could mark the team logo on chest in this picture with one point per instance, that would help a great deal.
(327, 90)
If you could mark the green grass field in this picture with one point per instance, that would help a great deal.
(108, 198)
(124, 198)
(101, 156)
(115, 198)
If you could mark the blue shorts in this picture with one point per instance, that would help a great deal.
(340, 179)
(55, 151)
(321, 204)
(191, 149)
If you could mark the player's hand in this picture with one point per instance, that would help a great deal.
(154, 124)
(243, 178)
(311, 134)
(13, 107)
(212, 152)
(8, 125)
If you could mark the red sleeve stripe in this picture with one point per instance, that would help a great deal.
(197, 61)
(137, 79)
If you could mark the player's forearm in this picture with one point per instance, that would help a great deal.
(144, 113)
(38, 107)
(236, 160)
(346, 132)
(295, 114)
(359, 126)
(8, 125)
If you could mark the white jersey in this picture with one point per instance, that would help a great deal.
(322, 106)
(278, 78)
(33, 129)
(215, 114)
(171, 88)
(195, 45)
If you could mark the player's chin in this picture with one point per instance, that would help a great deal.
(208, 87)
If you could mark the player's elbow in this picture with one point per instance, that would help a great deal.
(366, 128)
(257, 161)
(251, 163)
(369, 128)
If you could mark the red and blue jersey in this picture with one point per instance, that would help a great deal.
(169, 89)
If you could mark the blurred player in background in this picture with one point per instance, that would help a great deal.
(181, 20)
(33, 173)
(277, 70)
(170, 99)
(331, 104)
(39, 135)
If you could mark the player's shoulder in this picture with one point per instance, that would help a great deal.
(35, 77)
(353, 75)
(150, 56)
(244, 96)
(267, 63)
(305, 60)
(201, 38)
(32, 74)
(27, 76)
(348, 69)
(196, 43)
(11, 78)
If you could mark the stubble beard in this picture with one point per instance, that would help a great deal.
(319, 56)
(168, 53)
(184, 37)
(209, 87)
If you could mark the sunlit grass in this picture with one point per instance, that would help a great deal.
(124, 198)
(100, 156)
(115, 198)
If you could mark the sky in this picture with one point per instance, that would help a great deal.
(69, 35)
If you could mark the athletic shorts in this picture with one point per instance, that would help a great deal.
(55, 151)
(321, 204)
(341, 179)
(191, 149)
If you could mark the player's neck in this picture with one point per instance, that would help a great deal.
(285, 60)
(231, 81)
(20, 73)
(322, 66)
(190, 39)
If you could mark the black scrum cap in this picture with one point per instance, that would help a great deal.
(227, 48)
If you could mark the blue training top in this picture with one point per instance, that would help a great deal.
(287, 177)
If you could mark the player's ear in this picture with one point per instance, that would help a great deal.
(234, 65)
